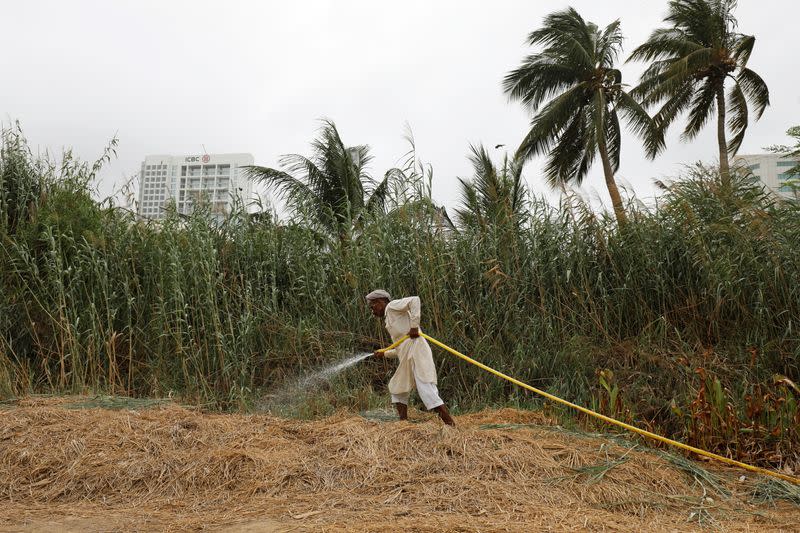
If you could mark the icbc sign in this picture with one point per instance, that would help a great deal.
(197, 158)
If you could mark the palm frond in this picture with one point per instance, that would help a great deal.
(493, 195)
(641, 124)
(697, 18)
(470, 213)
(519, 190)
(743, 49)
(289, 188)
(565, 33)
(702, 107)
(756, 90)
(376, 202)
(737, 121)
(571, 158)
(299, 165)
(550, 121)
(678, 72)
(613, 139)
(539, 78)
(664, 43)
(650, 79)
(674, 106)
(609, 45)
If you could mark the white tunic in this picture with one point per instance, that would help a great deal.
(414, 355)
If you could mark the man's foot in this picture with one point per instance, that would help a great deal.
(402, 411)
(444, 414)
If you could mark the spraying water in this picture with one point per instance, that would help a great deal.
(330, 371)
(293, 392)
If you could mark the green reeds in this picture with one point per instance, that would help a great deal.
(94, 300)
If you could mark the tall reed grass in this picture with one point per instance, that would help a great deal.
(689, 314)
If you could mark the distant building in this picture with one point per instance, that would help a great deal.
(773, 171)
(191, 179)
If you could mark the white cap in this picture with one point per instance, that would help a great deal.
(378, 294)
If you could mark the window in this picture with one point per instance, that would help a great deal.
(754, 167)
(786, 188)
(788, 163)
(786, 176)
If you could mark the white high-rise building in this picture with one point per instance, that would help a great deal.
(772, 170)
(188, 180)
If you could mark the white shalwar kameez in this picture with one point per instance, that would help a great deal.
(415, 359)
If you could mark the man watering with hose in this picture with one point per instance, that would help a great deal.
(415, 367)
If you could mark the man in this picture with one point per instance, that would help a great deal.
(415, 366)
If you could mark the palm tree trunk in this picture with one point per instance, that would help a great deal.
(724, 166)
(613, 191)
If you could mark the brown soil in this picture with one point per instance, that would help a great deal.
(172, 469)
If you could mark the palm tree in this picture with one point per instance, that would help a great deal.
(493, 196)
(575, 72)
(332, 187)
(691, 61)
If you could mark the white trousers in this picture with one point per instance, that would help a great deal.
(428, 393)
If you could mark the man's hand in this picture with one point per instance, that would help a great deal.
(413, 333)
(378, 353)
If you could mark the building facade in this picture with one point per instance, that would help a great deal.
(215, 180)
(774, 171)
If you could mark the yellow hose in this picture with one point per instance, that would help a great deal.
(604, 418)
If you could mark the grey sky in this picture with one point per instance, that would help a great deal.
(169, 77)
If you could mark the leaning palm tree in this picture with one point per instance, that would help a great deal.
(576, 77)
(691, 61)
(493, 196)
(332, 187)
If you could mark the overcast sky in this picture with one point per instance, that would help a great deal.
(172, 77)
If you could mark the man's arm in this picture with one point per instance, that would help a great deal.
(413, 306)
(414, 312)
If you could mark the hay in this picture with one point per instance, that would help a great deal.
(170, 468)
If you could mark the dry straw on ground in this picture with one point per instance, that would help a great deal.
(169, 468)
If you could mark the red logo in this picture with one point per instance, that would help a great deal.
(206, 158)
